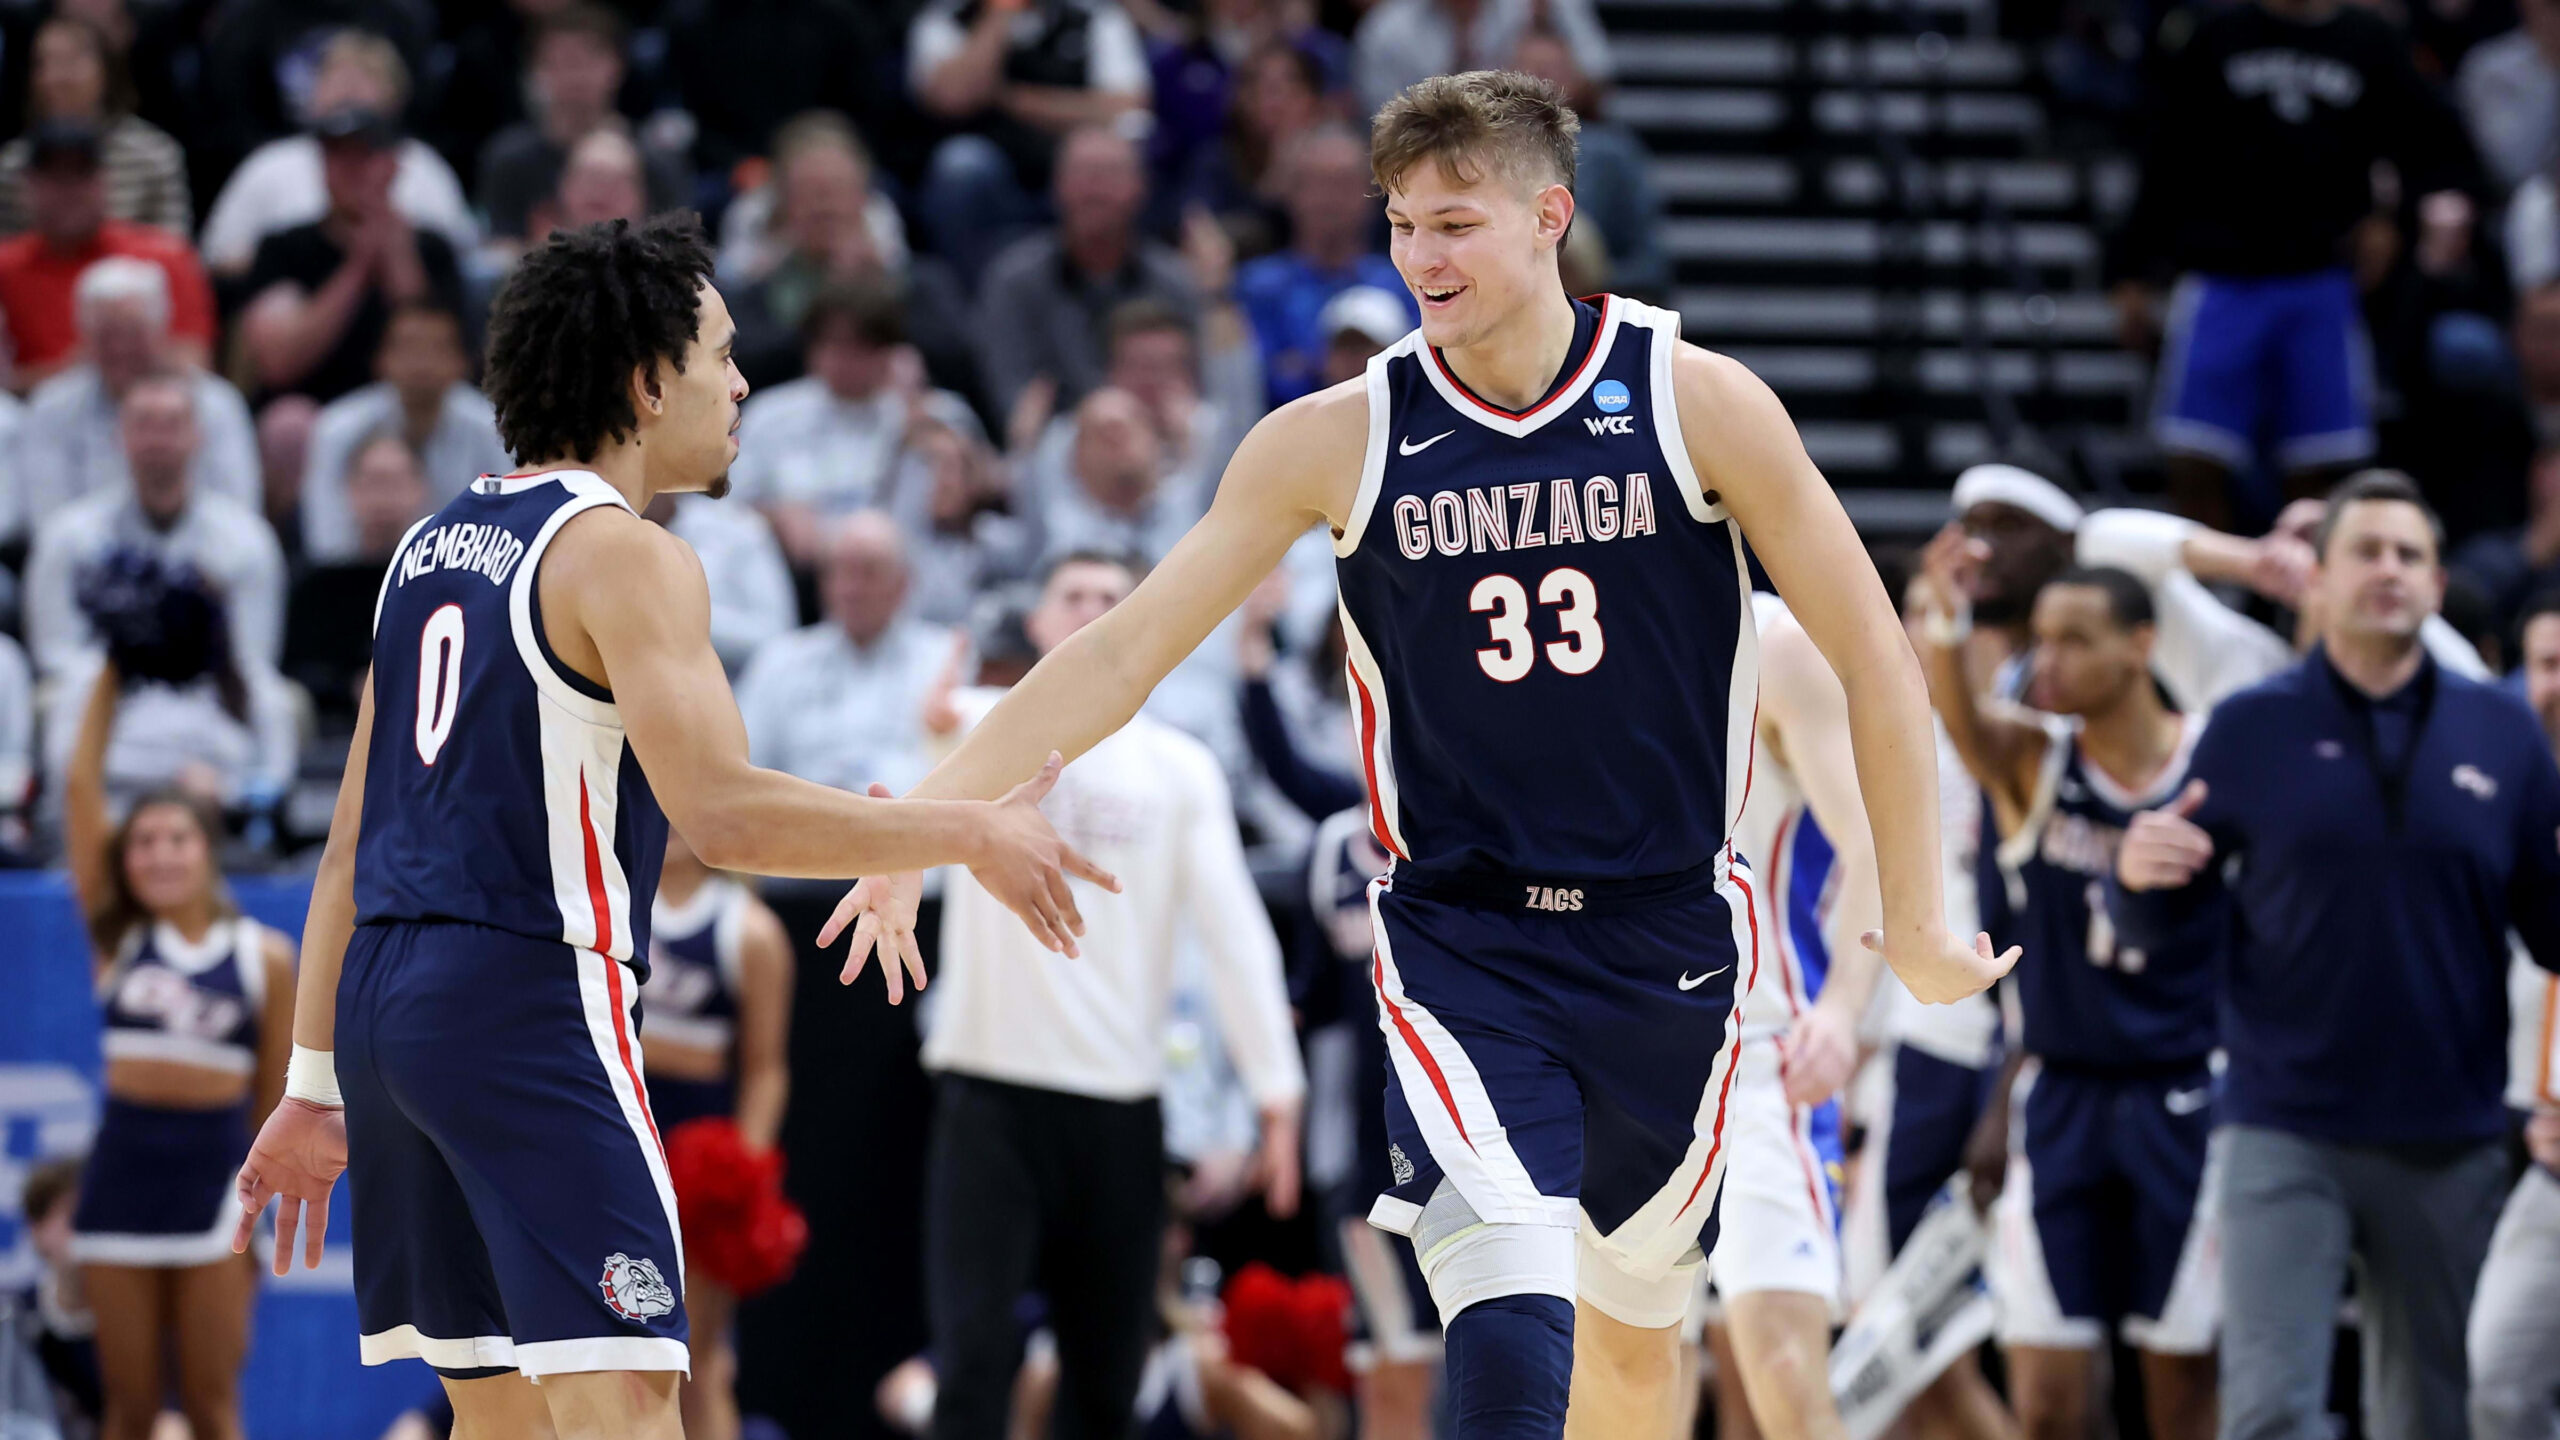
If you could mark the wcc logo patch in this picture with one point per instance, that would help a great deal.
(1610, 397)
(635, 1289)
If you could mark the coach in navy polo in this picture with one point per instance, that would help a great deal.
(2381, 822)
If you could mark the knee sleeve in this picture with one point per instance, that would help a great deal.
(1510, 1362)
(1647, 1302)
(1466, 1260)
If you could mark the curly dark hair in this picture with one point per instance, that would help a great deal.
(577, 317)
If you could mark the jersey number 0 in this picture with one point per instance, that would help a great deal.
(1514, 653)
(439, 679)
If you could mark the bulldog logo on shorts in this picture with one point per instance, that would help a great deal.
(635, 1289)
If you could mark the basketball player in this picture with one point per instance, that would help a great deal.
(1539, 506)
(1776, 1262)
(2102, 1219)
(479, 925)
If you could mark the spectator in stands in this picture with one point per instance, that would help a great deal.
(572, 75)
(2533, 231)
(2511, 565)
(1021, 78)
(2510, 92)
(13, 475)
(2514, 1330)
(78, 76)
(825, 222)
(1401, 41)
(752, 598)
(72, 446)
(66, 193)
(1050, 1132)
(284, 183)
(1119, 503)
(2261, 146)
(425, 397)
(1357, 324)
(1200, 405)
(2348, 950)
(198, 1020)
(17, 757)
(1332, 217)
(1042, 309)
(161, 512)
(835, 440)
(841, 702)
(604, 179)
(324, 291)
(2537, 332)
(284, 452)
(1612, 174)
(972, 539)
(1279, 91)
(328, 628)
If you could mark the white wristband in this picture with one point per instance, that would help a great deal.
(312, 1075)
(1947, 631)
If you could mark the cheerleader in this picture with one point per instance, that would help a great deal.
(198, 1012)
(716, 1016)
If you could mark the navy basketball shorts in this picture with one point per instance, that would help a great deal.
(510, 1199)
(1936, 1104)
(2107, 1217)
(2283, 357)
(160, 1189)
(1563, 1055)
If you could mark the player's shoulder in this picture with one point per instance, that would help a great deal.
(1306, 448)
(1334, 418)
(610, 546)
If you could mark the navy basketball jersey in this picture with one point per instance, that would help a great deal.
(498, 790)
(195, 1003)
(694, 950)
(2083, 998)
(1553, 664)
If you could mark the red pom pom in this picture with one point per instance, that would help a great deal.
(1290, 1330)
(739, 1228)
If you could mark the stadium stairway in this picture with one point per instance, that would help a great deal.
(1868, 203)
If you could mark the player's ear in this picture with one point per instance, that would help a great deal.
(1554, 208)
(646, 393)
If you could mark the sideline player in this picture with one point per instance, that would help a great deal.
(2097, 1145)
(1539, 505)
(479, 925)
(1776, 1261)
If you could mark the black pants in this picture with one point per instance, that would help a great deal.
(1034, 1190)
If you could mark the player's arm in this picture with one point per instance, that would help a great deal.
(636, 594)
(275, 1025)
(1805, 712)
(302, 1143)
(87, 833)
(2001, 746)
(1281, 481)
(764, 1026)
(1746, 450)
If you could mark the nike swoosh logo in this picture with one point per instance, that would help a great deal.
(2186, 1102)
(1690, 982)
(1407, 447)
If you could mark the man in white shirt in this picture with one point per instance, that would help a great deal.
(162, 512)
(752, 599)
(1047, 1168)
(837, 438)
(280, 185)
(424, 396)
(841, 701)
(71, 446)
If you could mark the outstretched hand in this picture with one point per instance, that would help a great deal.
(297, 1157)
(886, 909)
(1953, 972)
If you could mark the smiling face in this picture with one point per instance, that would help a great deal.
(168, 858)
(689, 417)
(1474, 253)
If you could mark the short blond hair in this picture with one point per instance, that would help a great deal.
(1498, 121)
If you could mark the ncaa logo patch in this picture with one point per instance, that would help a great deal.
(634, 1288)
(1611, 396)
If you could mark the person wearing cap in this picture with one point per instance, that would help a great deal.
(284, 183)
(324, 292)
(1357, 324)
(70, 230)
(1324, 180)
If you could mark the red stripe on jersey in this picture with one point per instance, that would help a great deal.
(1733, 1039)
(1812, 1183)
(622, 1042)
(597, 900)
(1560, 391)
(1369, 761)
(1404, 1027)
(1779, 874)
